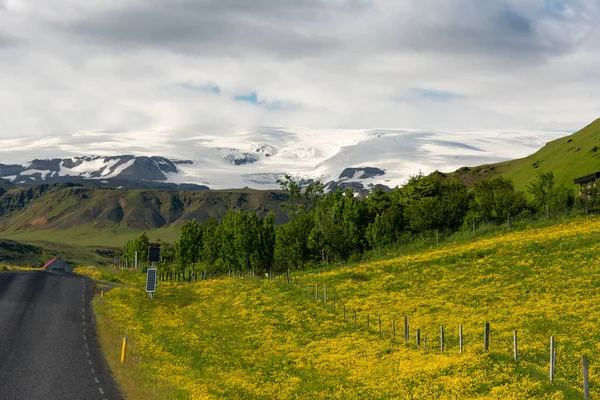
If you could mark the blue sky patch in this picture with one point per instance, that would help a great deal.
(250, 98)
(210, 88)
(435, 95)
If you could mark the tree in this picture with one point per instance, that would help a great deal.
(240, 241)
(189, 245)
(300, 201)
(380, 233)
(168, 254)
(494, 199)
(541, 189)
(292, 249)
(139, 245)
(432, 203)
(546, 193)
(339, 226)
(211, 244)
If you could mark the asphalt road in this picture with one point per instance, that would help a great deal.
(48, 345)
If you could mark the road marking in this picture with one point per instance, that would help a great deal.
(88, 353)
(83, 323)
(101, 391)
(86, 345)
(96, 379)
(90, 362)
(93, 371)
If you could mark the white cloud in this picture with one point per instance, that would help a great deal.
(68, 66)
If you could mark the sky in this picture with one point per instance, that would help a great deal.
(69, 66)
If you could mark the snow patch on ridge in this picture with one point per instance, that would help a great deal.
(255, 158)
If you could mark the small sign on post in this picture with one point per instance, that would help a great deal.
(154, 252)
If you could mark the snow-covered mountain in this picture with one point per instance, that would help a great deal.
(256, 158)
(112, 171)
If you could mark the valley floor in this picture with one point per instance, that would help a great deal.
(245, 338)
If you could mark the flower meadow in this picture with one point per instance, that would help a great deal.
(248, 338)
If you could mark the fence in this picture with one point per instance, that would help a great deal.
(388, 329)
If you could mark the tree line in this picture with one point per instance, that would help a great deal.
(340, 226)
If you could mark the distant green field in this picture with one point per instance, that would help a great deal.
(90, 236)
(36, 253)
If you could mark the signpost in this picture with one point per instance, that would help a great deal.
(153, 256)
(154, 252)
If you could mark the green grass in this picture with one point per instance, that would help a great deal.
(567, 158)
(245, 338)
(88, 235)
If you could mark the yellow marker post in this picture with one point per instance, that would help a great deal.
(102, 293)
(124, 350)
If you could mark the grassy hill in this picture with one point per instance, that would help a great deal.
(37, 253)
(568, 158)
(246, 338)
(89, 216)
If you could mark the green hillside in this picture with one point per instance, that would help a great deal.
(567, 158)
(80, 215)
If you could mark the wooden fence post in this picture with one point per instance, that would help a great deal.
(406, 329)
(552, 359)
(368, 320)
(425, 343)
(515, 353)
(316, 291)
(509, 226)
(325, 294)
(354, 318)
(486, 337)
(586, 378)
(394, 329)
(441, 338)
(418, 337)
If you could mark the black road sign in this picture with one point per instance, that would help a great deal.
(153, 253)
(151, 280)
